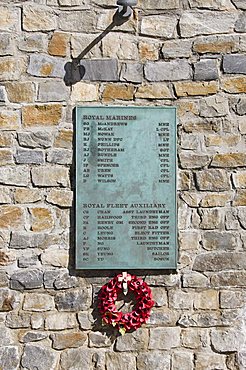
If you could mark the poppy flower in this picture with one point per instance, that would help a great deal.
(131, 320)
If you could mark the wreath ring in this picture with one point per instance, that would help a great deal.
(107, 302)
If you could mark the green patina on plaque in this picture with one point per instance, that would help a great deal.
(126, 188)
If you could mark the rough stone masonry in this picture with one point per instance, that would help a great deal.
(186, 53)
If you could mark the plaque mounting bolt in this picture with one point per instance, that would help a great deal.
(125, 8)
(124, 278)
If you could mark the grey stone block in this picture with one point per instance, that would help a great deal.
(71, 357)
(164, 338)
(50, 277)
(241, 107)
(208, 318)
(195, 280)
(214, 360)
(47, 176)
(238, 105)
(164, 26)
(61, 321)
(46, 66)
(168, 71)
(15, 176)
(159, 296)
(206, 70)
(137, 341)
(34, 42)
(37, 357)
(213, 5)
(240, 25)
(182, 360)
(18, 321)
(242, 358)
(60, 156)
(214, 240)
(97, 339)
(212, 180)
(33, 336)
(228, 278)
(9, 358)
(162, 318)
(59, 279)
(100, 70)
(85, 320)
(28, 261)
(6, 44)
(21, 240)
(3, 280)
(194, 23)
(210, 219)
(214, 106)
(234, 63)
(217, 261)
(123, 361)
(38, 17)
(231, 219)
(26, 279)
(171, 280)
(242, 216)
(7, 336)
(240, 4)
(53, 91)
(157, 360)
(25, 156)
(75, 300)
(83, 4)
(36, 139)
(160, 4)
(38, 302)
(191, 160)
(2, 94)
(79, 21)
(176, 48)
(72, 339)
(132, 72)
(229, 339)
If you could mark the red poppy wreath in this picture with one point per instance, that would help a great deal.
(107, 302)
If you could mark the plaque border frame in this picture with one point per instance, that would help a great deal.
(176, 250)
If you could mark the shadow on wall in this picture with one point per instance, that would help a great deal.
(74, 71)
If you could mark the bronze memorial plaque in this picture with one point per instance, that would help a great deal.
(126, 188)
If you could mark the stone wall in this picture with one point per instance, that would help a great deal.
(187, 53)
